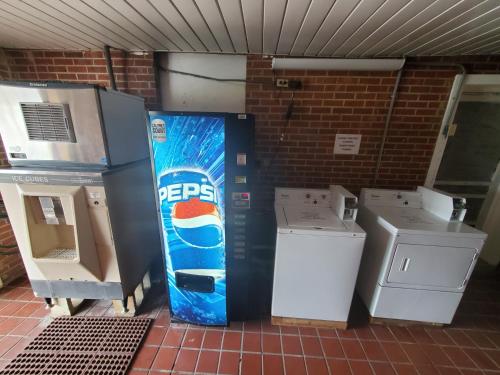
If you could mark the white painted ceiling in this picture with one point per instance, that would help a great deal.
(344, 28)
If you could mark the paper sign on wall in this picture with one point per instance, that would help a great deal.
(347, 144)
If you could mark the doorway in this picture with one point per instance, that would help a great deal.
(467, 154)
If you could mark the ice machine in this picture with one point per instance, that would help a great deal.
(79, 194)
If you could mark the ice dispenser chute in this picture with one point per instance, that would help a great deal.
(60, 233)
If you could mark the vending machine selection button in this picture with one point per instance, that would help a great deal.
(241, 159)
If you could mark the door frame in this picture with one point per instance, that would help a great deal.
(461, 80)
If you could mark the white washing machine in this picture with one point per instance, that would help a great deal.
(418, 255)
(318, 252)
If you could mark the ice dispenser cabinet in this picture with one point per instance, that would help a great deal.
(60, 232)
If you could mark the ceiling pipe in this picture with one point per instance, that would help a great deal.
(109, 66)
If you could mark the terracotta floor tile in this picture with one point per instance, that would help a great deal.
(458, 357)
(253, 326)
(402, 334)
(272, 364)
(495, 356)
(352, 349)
(7, 343)
(308, 331)
(440, 336)
(436, 355)
(364, 333)
(229, 363)
(231, 341)
(339, 366)
(16, 348)
(360, 367)
(163, 319)
(316, 366)
(174, 337)
(481, 359)
(271, 343)
(416, 354)
(269, 328)
(212, 339)
(426, 369)
(460, 338)
(332, 348)
(289, 330)
(382, 368)
(208, 361)
(374, 351)
(291, 345)
(471, 372)
(395, 352)
(155, 336)
(448, 370)
(481, 340)
(251, 342)
(186, 360)
(405, 369)
(12, 308)
(235, 326)
(193, 338)
(165, 359)
(311, 346)
(346, 333)
(144, 358)
(251, 364)
(420, 335)
(327, 332)
(7, 325)
(295, 365)
(382, 333)
(495, 338)
(41, 312)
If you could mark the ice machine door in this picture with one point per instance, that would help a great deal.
(436, 267)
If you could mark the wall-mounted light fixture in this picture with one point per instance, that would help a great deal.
(337, 64)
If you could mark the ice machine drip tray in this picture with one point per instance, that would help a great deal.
(429, 266)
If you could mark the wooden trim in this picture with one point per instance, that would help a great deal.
(317, 323)
(401, 322)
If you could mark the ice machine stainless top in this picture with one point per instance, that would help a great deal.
(58, 124)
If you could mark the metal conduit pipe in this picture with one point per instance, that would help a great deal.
(455, 95)
(448, 115)
(388, 121)
(109, 66)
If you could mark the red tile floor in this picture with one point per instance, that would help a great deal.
(470, 346)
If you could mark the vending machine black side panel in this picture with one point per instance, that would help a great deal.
(239, 170)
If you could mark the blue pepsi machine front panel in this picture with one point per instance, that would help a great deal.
(188, 160)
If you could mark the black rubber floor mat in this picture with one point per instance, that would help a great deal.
(82, 346)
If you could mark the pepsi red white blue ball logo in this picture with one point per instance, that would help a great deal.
(192, 200)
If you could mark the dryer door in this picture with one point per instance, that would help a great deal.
(431, 267)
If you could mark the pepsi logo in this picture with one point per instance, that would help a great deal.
(191, 200)
(198, 223)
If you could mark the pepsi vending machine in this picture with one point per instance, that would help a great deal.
(202, 164)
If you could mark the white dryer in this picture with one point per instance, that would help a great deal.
(418, 256)
(318, 252)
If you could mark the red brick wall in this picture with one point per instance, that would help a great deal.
(334, 102)
(133, 74)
